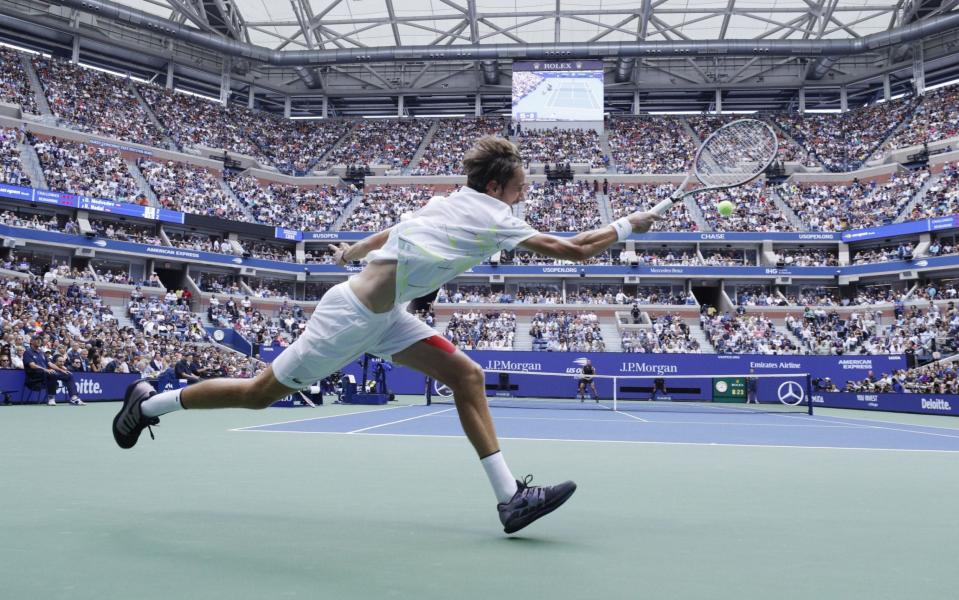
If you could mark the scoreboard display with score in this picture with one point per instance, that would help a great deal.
(729, 389)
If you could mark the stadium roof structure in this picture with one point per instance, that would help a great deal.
(415, 57)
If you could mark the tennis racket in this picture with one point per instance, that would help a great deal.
(733, 155)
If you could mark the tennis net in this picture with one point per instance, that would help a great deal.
(731, 393)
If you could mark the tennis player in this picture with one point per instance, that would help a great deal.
(368, 313)
(586, 379)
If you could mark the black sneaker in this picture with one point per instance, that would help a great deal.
(129, 422)
(532, 502)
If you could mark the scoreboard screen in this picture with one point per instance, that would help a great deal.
(558, 91)
(729, 389)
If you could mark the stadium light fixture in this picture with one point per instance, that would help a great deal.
(196, 95)
(27, 50)
(942, 85)
(114, 73)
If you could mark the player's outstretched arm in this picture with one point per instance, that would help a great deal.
(344, 253)
(590, 243)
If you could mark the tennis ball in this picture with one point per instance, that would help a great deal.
(725, 208)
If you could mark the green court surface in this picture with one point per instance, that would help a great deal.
(206, 512)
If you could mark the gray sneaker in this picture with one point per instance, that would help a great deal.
(532, 502)
(130, 421)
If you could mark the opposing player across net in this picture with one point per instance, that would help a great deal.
(711, 393)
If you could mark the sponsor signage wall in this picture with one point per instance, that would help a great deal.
(670, 366)
(151, 213)
(898, 229)
(27, 194)
(483, 270)
(91, 387)
(558, 65)
(930, 404)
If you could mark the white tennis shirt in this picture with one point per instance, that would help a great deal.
(446, 237)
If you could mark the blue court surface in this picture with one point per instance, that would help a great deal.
(656, 426)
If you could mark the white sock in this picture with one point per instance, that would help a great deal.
(161, 404)
(500, 477)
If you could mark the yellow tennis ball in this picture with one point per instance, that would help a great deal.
(725, 208)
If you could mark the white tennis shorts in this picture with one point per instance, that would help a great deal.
(341, 330)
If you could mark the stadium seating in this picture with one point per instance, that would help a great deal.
(391, 142)
(193, 121)
(453, 137)
(851, 206)
(650, 145)
(942, 197)
(11, 170)
(474, 330)
(186, 188)
(96, 102)
(567, 332)
(14, 83)
(755, 209)
(87, 170)
(627, 198)
(562, 207)
(936, 118)
(382, 206)
(312, 208)
(745, 334)
(561, 146)
(669, 334)
(843, 142)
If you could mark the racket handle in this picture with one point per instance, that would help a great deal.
(663, 207)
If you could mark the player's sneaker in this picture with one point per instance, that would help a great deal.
(76, 401)
(532, 502)
(130, 421)
(51, 401)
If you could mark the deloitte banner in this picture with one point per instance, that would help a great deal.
(91, 387)
(929, 404)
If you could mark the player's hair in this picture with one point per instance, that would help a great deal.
(491, 159)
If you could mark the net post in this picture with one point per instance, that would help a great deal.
(615, 390)
(809, 393)
(429, 391)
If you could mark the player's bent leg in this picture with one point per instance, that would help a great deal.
(461, 374)
(519, 502)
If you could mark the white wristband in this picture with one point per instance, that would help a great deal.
(623, 228)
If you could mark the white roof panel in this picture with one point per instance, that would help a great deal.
(366, 21)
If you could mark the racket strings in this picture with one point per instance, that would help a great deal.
(736, 153)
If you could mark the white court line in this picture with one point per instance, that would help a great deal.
(402, 420)
(648, 443)
(821, 425)
(632, 416)
(359, 412)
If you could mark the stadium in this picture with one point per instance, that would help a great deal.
(757, 397)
